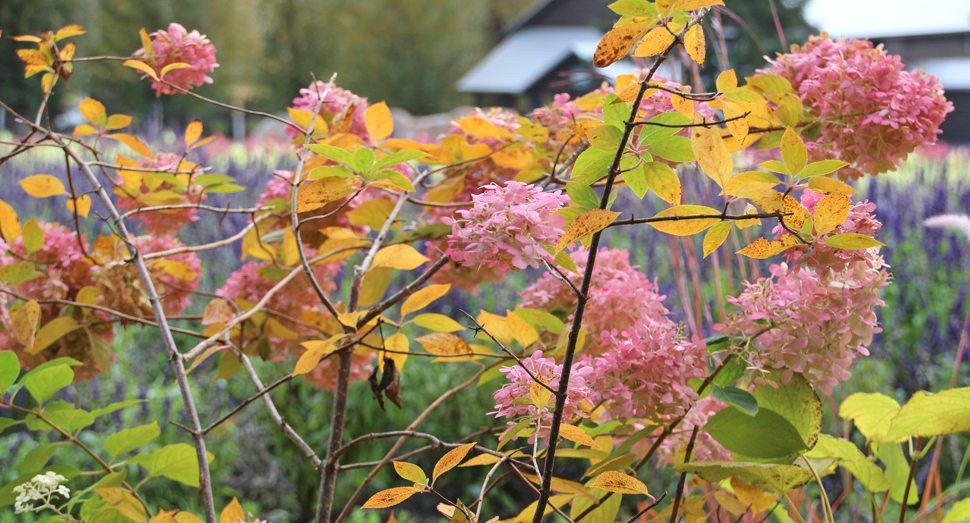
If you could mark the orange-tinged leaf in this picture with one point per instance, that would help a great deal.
(620, 483)
(442, 343)
(316, 350)
(84, 130)
(423, 298)
(180, 270)
(33, 57)
(51, 332)
(321, 192)
(378, 121)
(82, 205)
(578, 435)
(164, 516)
(192, 132)
(141, 66)
(390, 497)
(482, 128)
(683, 105)
(9, 223)
(715, 236)
(589, 222)
(68, 31)
(831, 211)
(727, 81)
(617, 42)
(762, 248)
(793, 152)
(92, 110)
(42, 186)
(217, 311)
(830, 185)
(410, 472)
(654, 42)
(188, 517)
(400, 256)
(24, 323)
(800, 213)
(171, 67)
(685, 226)
(694, 43)
(852, 241)
(712, 155)
(450, 460)
(132, 142)
(233, 513)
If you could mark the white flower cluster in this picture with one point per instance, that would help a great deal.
(41, 488)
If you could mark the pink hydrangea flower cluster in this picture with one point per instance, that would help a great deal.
(66, 271)
(340, 107)
(874, 112)
(174, 300)
(179, 46)
(545, 368)
(507, 227)
(560, 113)
(165, 222)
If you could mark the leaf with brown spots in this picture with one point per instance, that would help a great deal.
(390, 497)
(617, 42)
(796, 220)
(831, 211)
(587, 223)
(450, 460)
(654, 43)
(762, 248)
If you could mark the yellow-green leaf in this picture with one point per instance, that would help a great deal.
(793, 152)
(33, 237)
(871, 413)
(141, 66)
(762, 248)
(830, 186)
(685, 226)
(663, 181)
(712, 155)
(927, 414)
(42, 186)
(539, 394)
(852, 241)
(51, 332)
(450, 460)
(410, 472)
(438, 323)
(620, 483)
(578, 435)
(715, 236)
(726, 81)
(92, 110)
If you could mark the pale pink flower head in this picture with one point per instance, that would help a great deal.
(162, 222)
(341, 109)
(520, 384)
(179, 46)
(507, 227)
(873, 112)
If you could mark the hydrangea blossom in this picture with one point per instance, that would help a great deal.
(162, 222)
(341, 107)
(507, 227)
(546, 369)
(179, 46)
(41, 488)
(874, 113)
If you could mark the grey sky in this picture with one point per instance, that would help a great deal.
(870, 18)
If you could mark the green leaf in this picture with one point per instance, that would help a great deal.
(37, 459)
(897, 472)
(7, 422)
(330, 170)
(396, 178)
(605, 513)
(207, 179)
(821, 168)
(738, 398)
(673, 148)
(410, 472)
(795, 401)
(637, 180)
(9, 370)
(615, 114)
(177, 462)
(510, 433)
(32, 236)
(583, 195)
(223, 188)
(852, 241)
(767, 435)
(115, 479)
(605, 138)
(650, 134)
(774, 166)
(927, 414)
(539, 319)
(634, 8)
(399, 157)
(17, 273)
(783, 477)
(69, 418)
(868, 473)
(131, 439)
(114, 407)
(663, 181)
(363, 160)
(591, 165)
(334, 153)
(44, 384)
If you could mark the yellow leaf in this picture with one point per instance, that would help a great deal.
(589, 222)
(872, 413)
(730, 503)
(617, 42)
(538, 394)
(929, 414)
(694, 43)
(118, 121)
(496, 326)
(654, 42)
(715, 236)
(423, 298)
(739, 126)
(277, 330)
(762, 248)
(124, 502)
(92, 111)
(410, 472)
(233, 513)
(690, 5)
(88, 295)
(378, 121)
(51, 332)
(398, 342)
(390, 497)
(438, 323)
(483, 129)
(321, 192)
(400, 256)
(24, 323)
(217, 311)
(558, 484)
(374, 286)
(450, 460)
(42, 186)
(479, 460)
(9, 223)
(442, 343)
(683, 105)
(192, 132)
(727, 81)
(578, 435)
(83, 205)
(446, 191)
(303, 119)
(523, 333)
(712, 155)
(821, 184)
(187, 517)
(852, 241)
(685, 226)
(180, 270)
(132, 142)
(164, 516)
(620, 483)
(141, 66)
(316, 350)
(291, 252)
(796, 220)
(84, 130)
(746, 177)
(793, 152)
(831, 211)
(171, 67)
(208, 352)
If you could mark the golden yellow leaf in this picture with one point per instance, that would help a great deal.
(25, 323)
(217, 311)
(321, 192)
(620, 483)
(712, 155)
(187, 517)
(442, 343)
(694, 43)
(617, 42)
(378, 121)
(141, 66)
(821, 184)
(9, 223)
(482, 128)
(92, 111)
(831, 211)
(793, 152)
(316, 350)
(132, 142)
(578, 435)
(747, 177)
(437, 322)
(796, 220)
(42, 186)
(180, 270)
(683, 105)
(164, 516)
(450, 460)
(538, 394)
(523, 333)
(291, 252)
(424, 297)
(124, 502)
(399, 343)
(739, 127)
(654, 42)
(690, 5)
(84, 130)
(496, 326)
(88, 295)
(589, 222)
(51, 332)
(400, 256)
(374, 286)
(446, 191)
(479, 460)
(727, 81)
(83, 205)
(560, 485)
(685, 226)
(715, 236)
(762, 248)
(390, 497)
(192, 132)
(274, 328)
(233, 513)
(730, 503)
(753, 496)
